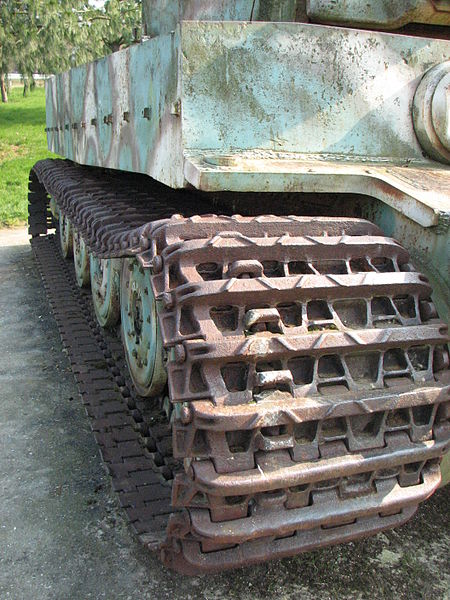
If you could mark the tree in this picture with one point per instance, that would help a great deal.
(50, 36)
(6, 48)
(3, 87)
(115, 23)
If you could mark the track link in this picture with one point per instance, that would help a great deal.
(307, 368)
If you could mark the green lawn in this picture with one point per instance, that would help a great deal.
(22, 143)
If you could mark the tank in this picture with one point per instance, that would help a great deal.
(256, 200)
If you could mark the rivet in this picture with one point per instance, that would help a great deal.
(167, 300)
(427, 310)
(176, 108)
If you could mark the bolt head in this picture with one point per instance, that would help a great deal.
(179, 353)
(167, 300)
(186, 415)
(157, 264)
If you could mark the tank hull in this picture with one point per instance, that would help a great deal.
(260, 107)
(307, 369)
(214, 96)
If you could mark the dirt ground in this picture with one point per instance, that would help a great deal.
(63, 535)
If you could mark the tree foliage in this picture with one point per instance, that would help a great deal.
(114, 26)
(49, 36)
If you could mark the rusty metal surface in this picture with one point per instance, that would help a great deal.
(308, 373)
(376, 14)
(101, 211)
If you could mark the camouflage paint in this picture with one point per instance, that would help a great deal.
(299, 88)
(239, 87)
(117, 112)
(262, 107)
(162, 16)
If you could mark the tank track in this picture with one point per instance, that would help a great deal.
(307, 368)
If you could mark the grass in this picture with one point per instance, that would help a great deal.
(22, 143)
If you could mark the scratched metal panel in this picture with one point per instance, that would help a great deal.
(385, 14)
(275, 96)
(162, 16)
(302, 88)
(117, 112)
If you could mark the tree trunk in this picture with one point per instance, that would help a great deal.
(3, 88)
(26, 85)
(32, 84)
